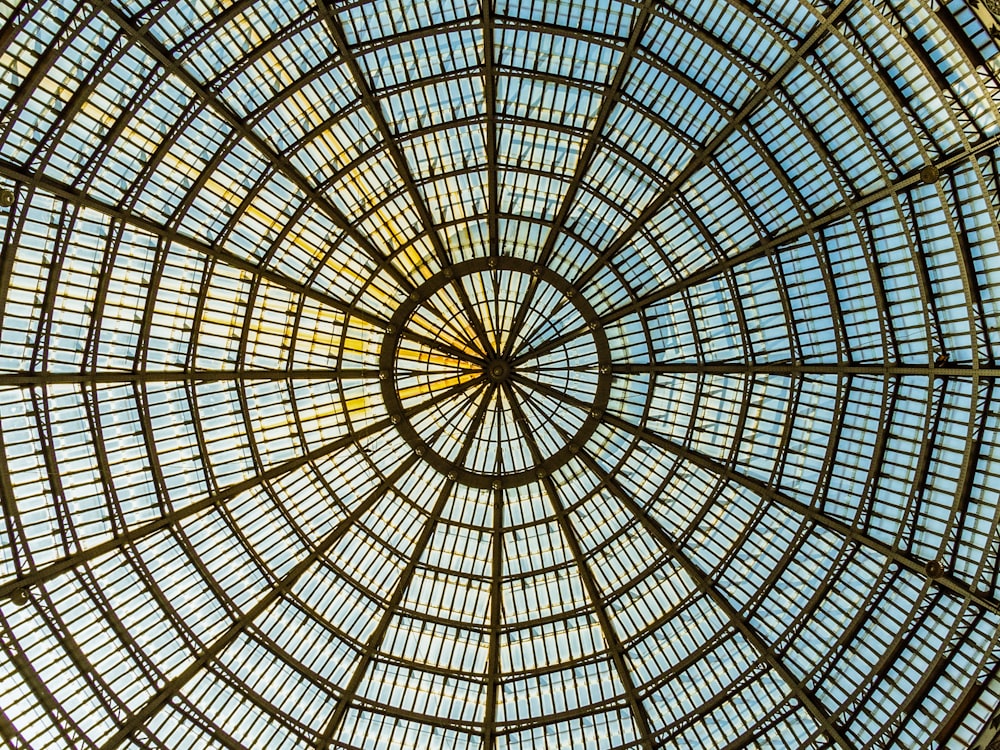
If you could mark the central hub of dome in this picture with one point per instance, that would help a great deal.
(498, 371)
(494, 371)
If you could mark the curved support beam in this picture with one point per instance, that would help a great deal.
(278, 162)
(615, 649)
(488, 22)
(493, 668)
(130, 536)
(282, 587)
(608, 101)
(798, 369)
(705, 583)
(704, 156)
(816, 515)
(389, 139)
(768, 245)
(374, 641)
(114, 377)
(75, 197)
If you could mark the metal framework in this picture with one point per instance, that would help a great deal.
(499, 374)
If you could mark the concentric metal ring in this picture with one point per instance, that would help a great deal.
(495, 372)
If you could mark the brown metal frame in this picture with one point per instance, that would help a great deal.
(33, 581)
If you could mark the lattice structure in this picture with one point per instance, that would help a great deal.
(508, 374)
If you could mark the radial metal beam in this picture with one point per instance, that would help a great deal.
(278, 162)
(17, 661)
(608, 101)
(374, 642)
(986, 683)
(116, 377)
(705, 155)
(270, 598)
(704, 582)
(960, 633)
(488, 21)
(768, 492)
(51, 570)
(795, 369)
(76, 197)
(615, 649)
(767, 246)
(493, 666)
(389, 139)
(8, 732)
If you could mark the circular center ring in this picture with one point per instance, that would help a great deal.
(495, 370)
(498, 371)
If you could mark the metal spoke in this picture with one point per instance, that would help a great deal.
(77, 198)
(389, 139)
(706, 154)
(816, 515)
(768, 246)
(374, 641)
(487, 18)
(131, 536)
(279, 163)
(791, 369)
(608, 102)
(493, 667)
(114, 377)
(251, 615)
(706, 583)
(615, 649)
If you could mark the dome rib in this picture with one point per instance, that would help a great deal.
(246, 132)
(705, 583)
(493, 667)
(490, 98)
(281, 588)
(374, 109)
(175, 517)
(611, 639)
(769, 245)
(336, 720)
(74, 197)
(704, 155)
(807, 512)
(593, 142)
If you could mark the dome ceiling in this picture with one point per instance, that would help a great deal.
(519, 375)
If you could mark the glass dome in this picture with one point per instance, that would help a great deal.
(519, 374)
